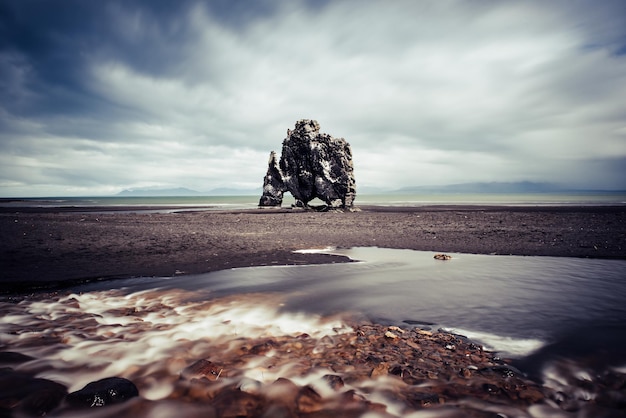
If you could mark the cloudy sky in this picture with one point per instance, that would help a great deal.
(99, 96)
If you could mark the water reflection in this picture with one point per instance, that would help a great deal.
(498, 298)
(510, 303)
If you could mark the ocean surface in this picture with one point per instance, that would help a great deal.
(250, 202)
(563, 320)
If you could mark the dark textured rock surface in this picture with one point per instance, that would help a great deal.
(312, 165)
(109, 391)
(273, 186)
(25, 395)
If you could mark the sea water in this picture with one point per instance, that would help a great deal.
(385, 199)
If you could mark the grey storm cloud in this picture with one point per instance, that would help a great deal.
(100, 96)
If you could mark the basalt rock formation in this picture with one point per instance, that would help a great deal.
(312, 165)
(273, 185)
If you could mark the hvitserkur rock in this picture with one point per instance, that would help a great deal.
(273, 185)
(312, 165)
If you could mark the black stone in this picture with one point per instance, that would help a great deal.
(109, 391)
(11, 357)
(29, 395)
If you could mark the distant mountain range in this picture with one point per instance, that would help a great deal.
(501, 187)
(490, 187)
(183, 191)
(151, 191)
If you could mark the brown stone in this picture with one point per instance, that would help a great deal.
(334, 381)
(308, 400)
(531, 394)
(232, 403)
(202, 369)
(283, 391)
(381, 369)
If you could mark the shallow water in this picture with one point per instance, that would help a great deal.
(385, 199)
(562, 318)
(513, 304)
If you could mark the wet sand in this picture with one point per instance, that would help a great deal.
(43, 247)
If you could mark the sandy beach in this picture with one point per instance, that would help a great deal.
(41, 247)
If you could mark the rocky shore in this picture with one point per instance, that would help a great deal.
(416, 369)
(44, 247)
(367, 370)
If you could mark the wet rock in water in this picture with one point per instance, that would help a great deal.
(263, 347)
(108, 391)
(381, 369)
(28, 395)
(391, 335)
(334, 381)
(419, 399)
(202, 369)
(308, 400)
(282, 390)
(312, 165)
(232, 403)
(250, 386)
(11, 357)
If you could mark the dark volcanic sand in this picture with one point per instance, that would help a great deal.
(46, 246)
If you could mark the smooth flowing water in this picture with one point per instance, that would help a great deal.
(539, 310)
(511, 303)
